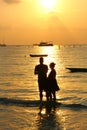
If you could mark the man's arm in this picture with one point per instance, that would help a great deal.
(35, 70)
(46, 68)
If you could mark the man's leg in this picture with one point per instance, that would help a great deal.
(41, 94)
(48, 95)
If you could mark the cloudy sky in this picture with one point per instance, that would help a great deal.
(32, 21)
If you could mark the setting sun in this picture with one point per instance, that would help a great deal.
(48, 4)
(28, 22)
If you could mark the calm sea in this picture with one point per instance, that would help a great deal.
(20, 108)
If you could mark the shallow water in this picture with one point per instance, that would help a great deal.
(20, 108)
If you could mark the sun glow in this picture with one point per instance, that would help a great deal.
(48, 5)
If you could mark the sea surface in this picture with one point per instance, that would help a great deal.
(20, 107)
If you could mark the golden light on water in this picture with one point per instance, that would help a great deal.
(43, 111)
(51, 52)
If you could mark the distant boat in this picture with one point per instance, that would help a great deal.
(45, 44)
(2, 45)
(77, 69)
(38, 55)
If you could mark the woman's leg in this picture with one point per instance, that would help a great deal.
(54, 96)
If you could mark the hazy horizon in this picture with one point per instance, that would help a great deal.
(25, 22)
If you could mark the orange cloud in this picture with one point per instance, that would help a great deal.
(11, 1)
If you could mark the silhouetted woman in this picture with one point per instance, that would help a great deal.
(52, 83)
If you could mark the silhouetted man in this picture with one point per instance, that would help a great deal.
(41, 70)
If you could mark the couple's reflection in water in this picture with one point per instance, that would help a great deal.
(48, 118)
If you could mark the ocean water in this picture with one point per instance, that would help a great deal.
(20, 108)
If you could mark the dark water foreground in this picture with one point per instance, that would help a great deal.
(36, 115)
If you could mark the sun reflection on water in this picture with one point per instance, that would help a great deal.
(51, 51)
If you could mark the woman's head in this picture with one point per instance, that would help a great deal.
(52, 65)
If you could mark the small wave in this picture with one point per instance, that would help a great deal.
(75, 106)
(10, 101)
(38, 103)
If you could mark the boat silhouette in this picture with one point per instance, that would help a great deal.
(38, 55)
(45, 44)
(77, 69)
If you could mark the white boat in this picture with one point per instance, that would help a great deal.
(45, 44)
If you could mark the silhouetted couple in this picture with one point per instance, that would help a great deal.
(47, 84)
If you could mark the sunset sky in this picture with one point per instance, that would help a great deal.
(32, 21)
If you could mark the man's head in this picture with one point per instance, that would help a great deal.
(41, 60)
